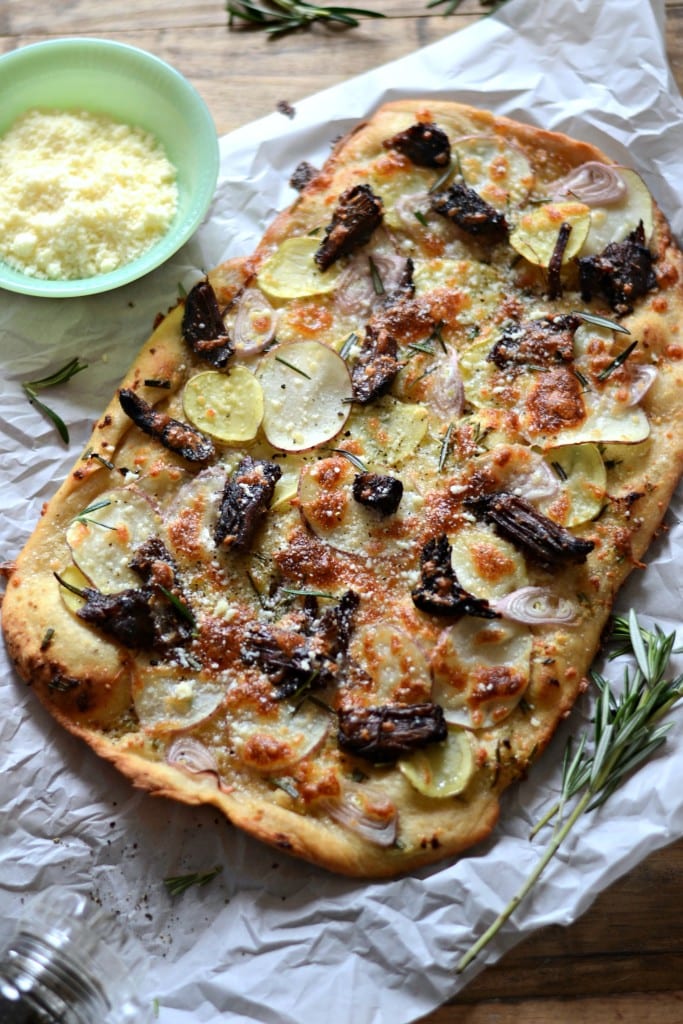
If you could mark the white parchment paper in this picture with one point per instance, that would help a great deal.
(272, 939)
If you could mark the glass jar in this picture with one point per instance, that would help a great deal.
(69, 962)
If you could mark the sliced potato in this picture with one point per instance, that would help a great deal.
(73, 576)
(584, 483)
(478, 373)
(481, 670)
(495, 168)
(442, 769)
(169, 697)
(400, 191)
(486, 565)
(607, 421)
(396, 663)
(287, 487)
(479, 285)
(614, 222)
(390, 431)
(227, 406)
(276, 742)
(291, 272)
(307, 395)
(327, 505)
(105, 536)
(535, 236)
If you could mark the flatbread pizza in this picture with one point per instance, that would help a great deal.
(339, 553)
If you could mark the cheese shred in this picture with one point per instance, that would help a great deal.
(81, 194)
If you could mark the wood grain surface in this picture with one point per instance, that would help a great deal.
(623, 960)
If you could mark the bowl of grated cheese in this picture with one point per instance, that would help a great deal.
(108, 165)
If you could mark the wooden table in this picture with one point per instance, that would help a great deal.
(623, 961)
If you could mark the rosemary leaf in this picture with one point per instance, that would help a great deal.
(617, 361)
(180, 606)
(177, 884)
(453, 5)
(377, 283)
(353, 459)
(601, 321)
(61, 376)
(310, 593)
(345, 350)
(279, 16)
(291, 366)
(445, 447)
(627, 730)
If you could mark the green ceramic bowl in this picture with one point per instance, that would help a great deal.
(132, 86)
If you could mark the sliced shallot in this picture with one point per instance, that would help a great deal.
(192, 755)
(365, 811)
(535, 606)
(524, 472)
(643, 379)
(447, 391)
(255, 322)
(367, 280)
(592, 183)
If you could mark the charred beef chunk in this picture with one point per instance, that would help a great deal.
(469, 211)
(425, 144)
(622, 272)
(126, 616)
(438, 592)
(543, 342)
(545, 542)
(203, 328)
(334, 627)
(178, 437)
(302, 174)
(154, 564)
(377, 365)
(358, 213)
(378, 491)
(155, 616)
(391, 731)
(142, 619)
(311, 656)
(283, 655)
(246, 497)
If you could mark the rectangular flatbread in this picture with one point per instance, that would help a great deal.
(340, 551)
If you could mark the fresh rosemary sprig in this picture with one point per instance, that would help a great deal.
(279, 16)
(61, 376)
(452, 5)
(627, 729)
(177, 884)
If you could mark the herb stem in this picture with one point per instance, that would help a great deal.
(559, 836)
(626, 732)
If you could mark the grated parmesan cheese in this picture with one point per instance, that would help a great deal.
(81, 194)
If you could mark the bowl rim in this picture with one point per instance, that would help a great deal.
(16, 281)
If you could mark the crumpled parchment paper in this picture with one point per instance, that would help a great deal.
(271, 939)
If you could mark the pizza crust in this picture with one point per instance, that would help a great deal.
(88, 682)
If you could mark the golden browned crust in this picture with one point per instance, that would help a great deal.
(88, 681)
